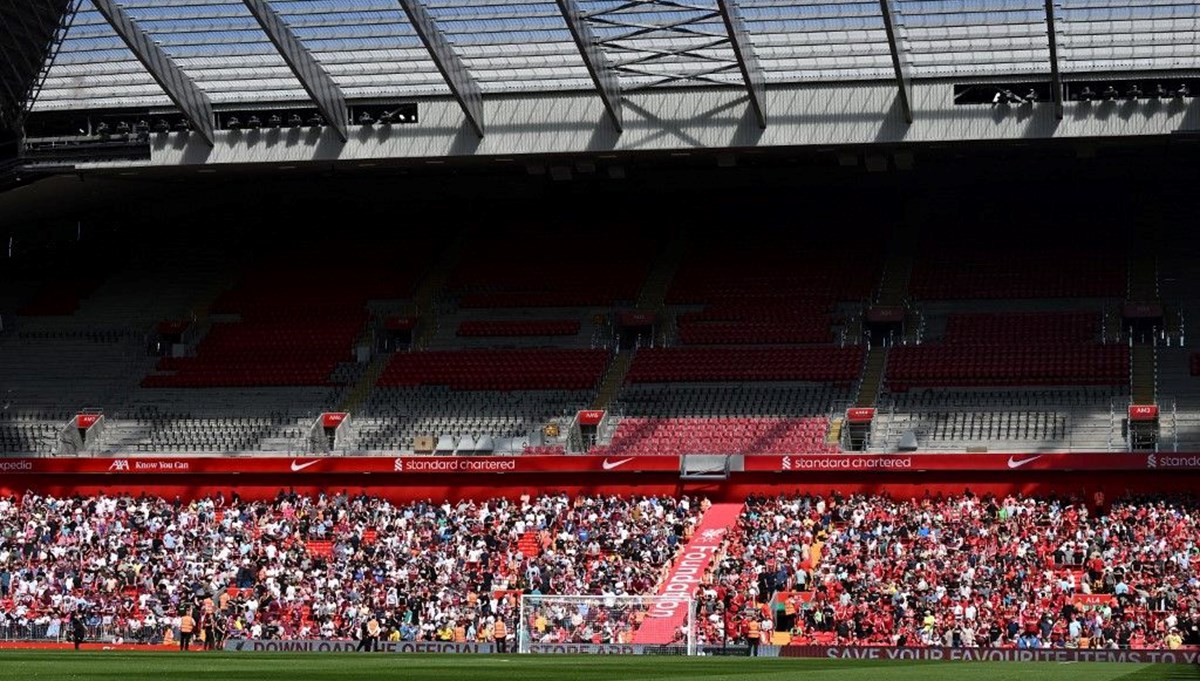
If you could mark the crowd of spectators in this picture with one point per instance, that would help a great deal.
(148, 569)
(936, 571)
(959, 571)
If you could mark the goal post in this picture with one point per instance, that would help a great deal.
(633, 625)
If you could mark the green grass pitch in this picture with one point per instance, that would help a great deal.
(127, 666)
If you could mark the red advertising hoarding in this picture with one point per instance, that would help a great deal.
(874, 464)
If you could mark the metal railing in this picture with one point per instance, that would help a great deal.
(59, 632)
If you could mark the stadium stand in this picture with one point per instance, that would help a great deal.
(978, 274)
(958, 571)
(519, 327)
(571, 269)
(724, 418)
(282, 331)
(522, 369)
(486, 552)
(465, 421)
(691, 365)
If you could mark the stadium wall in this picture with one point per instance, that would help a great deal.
(409, 487)
(681, 119)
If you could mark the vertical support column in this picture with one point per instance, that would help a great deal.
(462, 84)
(607, 84)
(891, 26)
(1056, 85)
(752, 73)
(312, 76)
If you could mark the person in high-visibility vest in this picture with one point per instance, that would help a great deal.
(187, 625)
(206, 628)
(368, 636)
(500, 632)
(753, 635)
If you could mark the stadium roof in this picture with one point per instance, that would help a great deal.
(369, 49)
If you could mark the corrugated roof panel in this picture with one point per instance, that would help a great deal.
(371, 51)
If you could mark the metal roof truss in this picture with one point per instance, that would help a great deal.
(182, 90)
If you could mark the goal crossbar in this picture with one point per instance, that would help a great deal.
(635, 625)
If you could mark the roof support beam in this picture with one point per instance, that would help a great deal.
(607, 83)
(752, 73)
(454, 71)
(312, 76)
(1056, 85)
(903, 78)
(182, 90)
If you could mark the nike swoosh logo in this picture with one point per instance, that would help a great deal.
(609, 465)
(1017, 463)
(297, 467)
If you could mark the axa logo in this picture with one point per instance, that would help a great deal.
(119, 465)
(1151, 461)
(787, 463)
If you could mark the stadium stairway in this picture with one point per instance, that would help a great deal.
(688, 570)
(430, 290)
(652, 298)
(892, 292)
(357, 395)
(893, 285)
(1143, 288)
(613, 380)
(426, 295)
(1144, 374)
(872, 377)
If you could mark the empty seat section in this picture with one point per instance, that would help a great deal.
(724, 418)
(785, 294)
(949, 274)
(693, 364)
(476, 421)
(523, 267)
(636, 436)
(288, 328)
(518, 327)
(1012, 349)
(487, 369)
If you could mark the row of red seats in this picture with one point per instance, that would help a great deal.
(493, 369)
(518, 327)
(61, 296)
(1022, 328)
(788, 265)
(968, 275)
(232, 377)
(311, 281)
(692, 364)
(934, 365)
(678, 436)
(758, 320)
(752, 333)
(294, 329)
(576, 272)
(251, 353)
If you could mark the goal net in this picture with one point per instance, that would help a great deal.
(633, 625)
